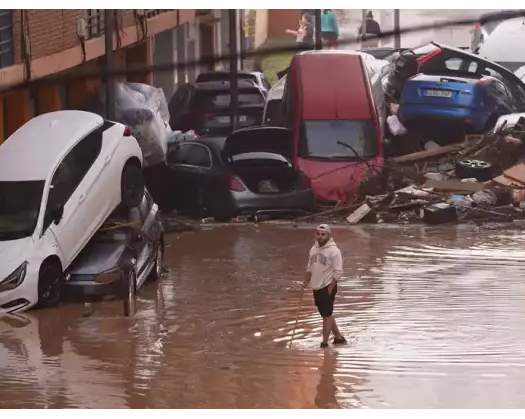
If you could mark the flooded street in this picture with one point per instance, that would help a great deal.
(434, 317)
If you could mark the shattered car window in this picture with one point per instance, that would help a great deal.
(338, 139)
(19, 208)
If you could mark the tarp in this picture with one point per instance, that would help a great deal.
(144, 110)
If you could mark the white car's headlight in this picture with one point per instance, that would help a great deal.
(14, 279)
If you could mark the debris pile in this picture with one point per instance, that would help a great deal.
(481, 179)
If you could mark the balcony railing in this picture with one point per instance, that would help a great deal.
(6, 38)
(95, 22)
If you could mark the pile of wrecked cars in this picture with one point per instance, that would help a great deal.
(75, 216)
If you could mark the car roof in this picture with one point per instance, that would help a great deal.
(33, 150)
(225, 85)
(251, 74)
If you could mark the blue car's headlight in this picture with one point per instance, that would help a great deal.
(14, 279)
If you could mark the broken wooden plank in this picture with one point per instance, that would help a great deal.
(359, 214)
(516, 173)
(453, 185)
(505, 181)
(427, 154)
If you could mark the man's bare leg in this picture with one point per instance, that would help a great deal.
(335, 329)
(327, 328)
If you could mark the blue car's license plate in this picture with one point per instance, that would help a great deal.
(437, 93)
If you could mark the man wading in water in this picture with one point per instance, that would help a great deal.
(324, 269)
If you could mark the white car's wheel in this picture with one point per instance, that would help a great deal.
(50, 282)
(132, 185)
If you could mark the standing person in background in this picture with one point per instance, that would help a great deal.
(329, 28)
(372, 31)
(304, 35)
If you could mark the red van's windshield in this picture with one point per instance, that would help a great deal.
(338, 140)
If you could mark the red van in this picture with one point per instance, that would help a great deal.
(330, 105)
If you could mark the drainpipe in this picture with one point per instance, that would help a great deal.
(318, 40)
(232, 14)
(397, 34)
(110, 82)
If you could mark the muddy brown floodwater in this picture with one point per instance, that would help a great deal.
(434, 317)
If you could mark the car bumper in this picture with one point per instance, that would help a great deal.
(89, 288)
(23, 297)
(471, 117)
(294, 201)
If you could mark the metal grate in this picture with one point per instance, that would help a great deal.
(95, 22)
(6, 38)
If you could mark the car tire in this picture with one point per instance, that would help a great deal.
(132, 185)
(130, 293)
(156, 272)
(472, 168)
(50, 281)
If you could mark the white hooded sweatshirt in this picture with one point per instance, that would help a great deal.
(325, 264)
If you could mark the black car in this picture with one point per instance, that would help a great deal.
(256, 77)
(250, 172)
(205, 107)
(121, 256)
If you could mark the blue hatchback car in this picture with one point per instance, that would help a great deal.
(474, 103)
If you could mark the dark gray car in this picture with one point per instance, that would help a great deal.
(250, 172)
(121, 255)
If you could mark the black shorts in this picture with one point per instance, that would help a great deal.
(324, 301)
(329, 38)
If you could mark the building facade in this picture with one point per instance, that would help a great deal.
(38, 47)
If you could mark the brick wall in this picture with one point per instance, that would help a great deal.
(52, 31)
(282, 19)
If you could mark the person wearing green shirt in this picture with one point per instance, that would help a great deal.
(329, 28)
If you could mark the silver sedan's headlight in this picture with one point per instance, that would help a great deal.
(14, 279)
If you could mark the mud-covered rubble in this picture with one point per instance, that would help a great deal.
(481, 179)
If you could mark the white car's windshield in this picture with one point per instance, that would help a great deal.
(338, 139)
(19, 207)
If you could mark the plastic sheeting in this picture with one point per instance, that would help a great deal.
(144, 110)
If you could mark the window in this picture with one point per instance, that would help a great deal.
(453, 64)
(473, 67)
(19, 208)
(211, 101)
(345, 140)
(490, 72)
(461, 65)
(191, 154)
(273, 113)
(145, 206)
(72, 170)
(95, 22)
(6, 38)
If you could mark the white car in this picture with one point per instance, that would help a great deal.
(61, 176)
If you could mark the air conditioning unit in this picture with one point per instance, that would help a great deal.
(82, 28)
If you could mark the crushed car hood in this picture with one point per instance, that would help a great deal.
(259, 139)
(98, 257)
